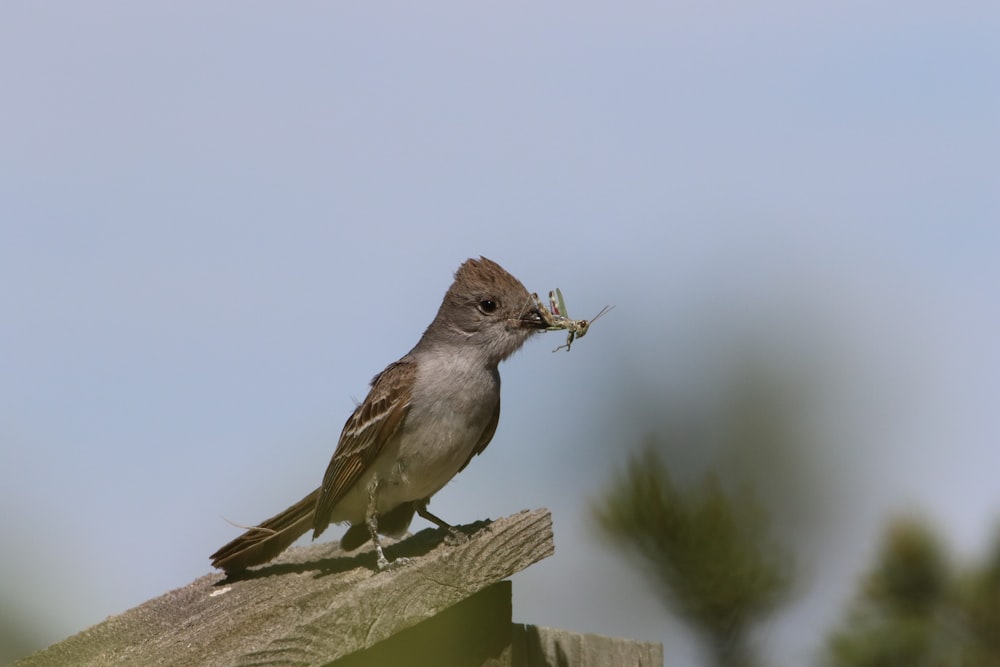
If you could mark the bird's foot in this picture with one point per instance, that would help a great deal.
(385, 564)
(455, 537)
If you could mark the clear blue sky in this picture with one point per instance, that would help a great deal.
(219, 220)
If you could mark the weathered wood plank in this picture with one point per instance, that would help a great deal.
(536, 646)
(309, 607)
(476, 632)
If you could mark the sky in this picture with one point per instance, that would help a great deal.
(219, 220)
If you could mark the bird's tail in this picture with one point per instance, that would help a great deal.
(263, 542)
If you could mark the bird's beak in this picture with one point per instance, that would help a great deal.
(535, 318)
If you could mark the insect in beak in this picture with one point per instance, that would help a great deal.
(555, 318)
(534, 316)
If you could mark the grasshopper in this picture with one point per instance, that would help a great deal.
(557, 318)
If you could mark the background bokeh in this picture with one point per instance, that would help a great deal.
(219, 220)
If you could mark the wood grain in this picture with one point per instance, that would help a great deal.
(311, 606)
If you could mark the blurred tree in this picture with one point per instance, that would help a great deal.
(707, 551)
(915, 609)
(18, 637)
(978, 594)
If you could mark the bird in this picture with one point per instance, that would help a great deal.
(424, 419)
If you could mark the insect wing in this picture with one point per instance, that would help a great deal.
(562, 303)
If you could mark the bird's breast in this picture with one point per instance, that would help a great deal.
(452, 407)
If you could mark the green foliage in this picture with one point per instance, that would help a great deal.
(707, 551)
(915, 609)
(978, 596)
(911, 577)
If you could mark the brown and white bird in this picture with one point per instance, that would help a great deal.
(423, 420)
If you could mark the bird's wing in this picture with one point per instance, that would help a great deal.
(373, 423)
(487, 435)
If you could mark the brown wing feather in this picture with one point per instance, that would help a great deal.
(487, 435)
(367, 430)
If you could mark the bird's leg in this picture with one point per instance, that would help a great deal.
(371, 519)
(455, 536)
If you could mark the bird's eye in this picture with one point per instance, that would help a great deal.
(488, 306)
